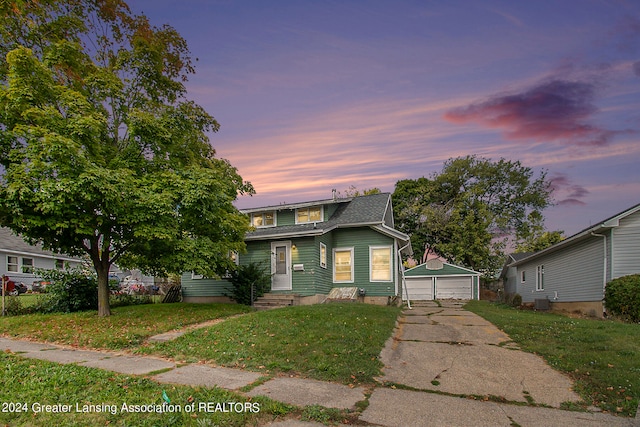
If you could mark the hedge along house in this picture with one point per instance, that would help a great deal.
(313, 247)
(572, 274)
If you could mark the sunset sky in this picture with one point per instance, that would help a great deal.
(316, 95)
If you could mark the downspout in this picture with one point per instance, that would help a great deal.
(604, 275)
(404, 282)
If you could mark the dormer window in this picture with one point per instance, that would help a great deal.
(311, 214)
(263, 219)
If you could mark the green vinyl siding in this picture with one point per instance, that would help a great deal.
(258, 253)
(329, 210)
(307, 254)
(360, 239)
(286, 217)
(204, 287)
(324, 276)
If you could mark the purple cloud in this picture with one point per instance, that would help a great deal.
(556, 110)
(570, 193)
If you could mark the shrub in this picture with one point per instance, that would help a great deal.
(70, 290)
(622, 297)
(13, 306)
(121, 300)
(517, 300)
(244, 278)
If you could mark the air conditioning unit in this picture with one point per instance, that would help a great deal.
(541, 304)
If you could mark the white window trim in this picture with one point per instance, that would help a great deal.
(522, 276)
(29, 267)
(275, 219)
(15, 265)
(371, 249)
(321, 207)
(350, 249)
(323, 260)
(540, 277)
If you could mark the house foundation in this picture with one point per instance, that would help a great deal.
(589, 308)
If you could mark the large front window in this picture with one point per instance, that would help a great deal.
(312, 214)
(343, 265)
(380, 263)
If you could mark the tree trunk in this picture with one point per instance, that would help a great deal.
(102, 271)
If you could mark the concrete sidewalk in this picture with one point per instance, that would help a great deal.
(436, 351)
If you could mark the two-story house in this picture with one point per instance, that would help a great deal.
(313, 247)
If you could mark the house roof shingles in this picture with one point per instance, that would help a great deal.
(10, 242)
(357, 211)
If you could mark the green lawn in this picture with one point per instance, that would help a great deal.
(602, 356)
(127, 326)
(28, 386)
(335, 342)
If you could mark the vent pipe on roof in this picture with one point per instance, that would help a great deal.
(334, 194)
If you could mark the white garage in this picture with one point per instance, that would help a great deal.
(435, 280)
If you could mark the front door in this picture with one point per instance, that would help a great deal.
(281, 266)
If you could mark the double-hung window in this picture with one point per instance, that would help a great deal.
(540, 278)
(263, 219)
(343, 265)
(12, 263)
(323, 255)
(27, 265)
(311, 214)
(380, 263)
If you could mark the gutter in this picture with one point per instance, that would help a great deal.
(604, 269)
(404, 282)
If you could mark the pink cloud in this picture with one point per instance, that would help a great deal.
(556, 110)
(570, 193)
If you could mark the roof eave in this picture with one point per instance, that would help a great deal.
(566, 242)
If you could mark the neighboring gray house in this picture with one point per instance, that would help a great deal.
(509, 275)
(19, 260)
(573, 274)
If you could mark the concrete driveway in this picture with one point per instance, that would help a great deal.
(448, 349)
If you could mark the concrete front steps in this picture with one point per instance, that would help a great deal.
(269, 301)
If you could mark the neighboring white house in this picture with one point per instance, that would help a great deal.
(19, 260)
(572, 274)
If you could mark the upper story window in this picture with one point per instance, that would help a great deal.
(311, 214)
(263, 219)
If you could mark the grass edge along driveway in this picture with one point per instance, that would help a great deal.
(601, 356)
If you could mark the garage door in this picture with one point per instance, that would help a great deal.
(453, 288)
(419, 288)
